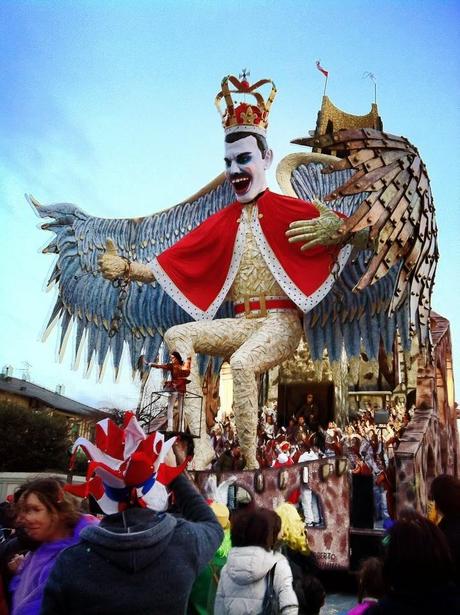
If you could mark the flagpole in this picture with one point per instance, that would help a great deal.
(371, 76)
(325, 73)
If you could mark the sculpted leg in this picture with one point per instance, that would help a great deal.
(217, 337)
(254, 346)
(245, 406)
(275, 339)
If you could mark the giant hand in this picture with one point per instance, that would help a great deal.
(318, 231)
(113, 266)
(110, 264)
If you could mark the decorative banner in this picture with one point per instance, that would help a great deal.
(321, 69)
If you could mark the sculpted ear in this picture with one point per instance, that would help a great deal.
(268, 159)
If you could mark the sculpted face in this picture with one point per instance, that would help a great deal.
(245, 168)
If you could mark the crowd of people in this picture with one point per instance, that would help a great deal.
(367, 444)
(304, 431)
(147, 555)
(199, 558)
(196, 558)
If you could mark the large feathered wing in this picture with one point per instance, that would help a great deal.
(91, 302)
(380, 184)
(398, 210)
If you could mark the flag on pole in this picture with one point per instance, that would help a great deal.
(321, 69)
(372, 77)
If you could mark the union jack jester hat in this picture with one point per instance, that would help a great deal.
(126, 467)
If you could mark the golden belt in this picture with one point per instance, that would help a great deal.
(258, 307)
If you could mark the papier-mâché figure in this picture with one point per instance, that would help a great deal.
(246, 264)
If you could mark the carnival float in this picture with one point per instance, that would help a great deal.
(324, 288)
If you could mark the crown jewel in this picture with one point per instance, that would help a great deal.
(244, 117)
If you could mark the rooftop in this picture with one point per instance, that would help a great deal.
(25, 388)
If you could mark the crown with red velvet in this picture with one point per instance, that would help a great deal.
(242, 116)
(126, 467)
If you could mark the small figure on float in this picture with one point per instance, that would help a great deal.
(176, 386)
(283, 458)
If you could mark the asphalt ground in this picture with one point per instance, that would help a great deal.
(338, 604)
(341, 591)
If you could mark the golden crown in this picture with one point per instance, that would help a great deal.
(244, 117)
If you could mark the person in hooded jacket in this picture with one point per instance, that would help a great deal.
(244, 578)
(137, 561)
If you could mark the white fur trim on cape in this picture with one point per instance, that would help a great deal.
(304, 302)
(176, 294)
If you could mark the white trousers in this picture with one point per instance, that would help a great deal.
(251, 346)
(310, 505)
(173, 397)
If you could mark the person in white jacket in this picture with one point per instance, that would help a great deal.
(244, 578)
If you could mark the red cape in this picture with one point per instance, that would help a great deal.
(198, 271)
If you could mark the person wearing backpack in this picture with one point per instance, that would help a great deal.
(256, 579)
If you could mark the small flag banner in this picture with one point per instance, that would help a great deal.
(321, 69)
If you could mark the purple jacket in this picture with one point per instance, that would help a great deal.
(362, 606)
(28, 585)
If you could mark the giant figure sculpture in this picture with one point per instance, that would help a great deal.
(242, 252)
(247, 252)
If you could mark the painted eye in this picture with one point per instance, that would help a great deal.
(244, 159)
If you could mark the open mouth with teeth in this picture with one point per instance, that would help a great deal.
(241, 183)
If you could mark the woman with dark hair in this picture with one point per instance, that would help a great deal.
(418, 570)
(50, 517)
(445, 491)
(179, 370)
(251, 564)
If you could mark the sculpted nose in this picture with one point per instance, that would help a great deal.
(234, 168)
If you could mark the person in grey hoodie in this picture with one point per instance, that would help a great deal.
(137, 561)
(244, 578)
(141, 560)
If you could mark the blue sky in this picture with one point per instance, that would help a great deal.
(109, 105)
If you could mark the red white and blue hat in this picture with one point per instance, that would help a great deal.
(126, 467)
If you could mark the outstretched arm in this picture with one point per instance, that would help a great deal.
(113, 266)
(159, 365)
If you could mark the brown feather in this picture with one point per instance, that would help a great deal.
(399, 212)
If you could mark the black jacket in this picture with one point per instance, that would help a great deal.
(138, 562)
(450, 526)
(425, 601)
